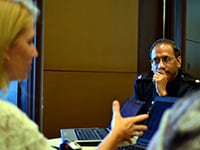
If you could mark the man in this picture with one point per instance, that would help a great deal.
(166, 77)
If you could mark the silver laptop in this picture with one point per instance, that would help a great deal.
(84, 136)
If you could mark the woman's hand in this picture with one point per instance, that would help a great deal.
(126, 128)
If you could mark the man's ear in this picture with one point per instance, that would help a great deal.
(179, 61)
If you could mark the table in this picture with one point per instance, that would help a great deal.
(55, 142)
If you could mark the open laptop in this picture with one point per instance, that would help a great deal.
(93, 136)
(157, 110)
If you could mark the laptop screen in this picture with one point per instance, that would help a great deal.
(131, 107)
(159, 106)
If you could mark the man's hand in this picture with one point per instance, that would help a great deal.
(160, 81)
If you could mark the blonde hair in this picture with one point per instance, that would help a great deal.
(15, 15)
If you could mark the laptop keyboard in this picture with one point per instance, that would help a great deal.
(131, 147)
(91, 134)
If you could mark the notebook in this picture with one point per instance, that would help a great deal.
(157, 110)
(93, 136)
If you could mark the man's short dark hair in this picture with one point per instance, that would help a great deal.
(177, 51)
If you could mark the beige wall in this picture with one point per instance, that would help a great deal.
(90, 58)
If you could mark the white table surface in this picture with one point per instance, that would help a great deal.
(57, 141)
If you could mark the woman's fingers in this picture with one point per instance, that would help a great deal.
(116, 107)
(139, 118)
(139, 127)
(138, 133)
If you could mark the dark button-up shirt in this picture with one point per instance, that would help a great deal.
(145, 90)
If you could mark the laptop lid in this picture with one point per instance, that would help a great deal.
(131, 107)
(160, 105)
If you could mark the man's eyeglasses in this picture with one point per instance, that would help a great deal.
(165, 60)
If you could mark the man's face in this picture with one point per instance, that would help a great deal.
(164, 60)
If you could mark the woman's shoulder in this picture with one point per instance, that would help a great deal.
(17, 129)
(11, 111)
(7, 108)
(13, 118)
